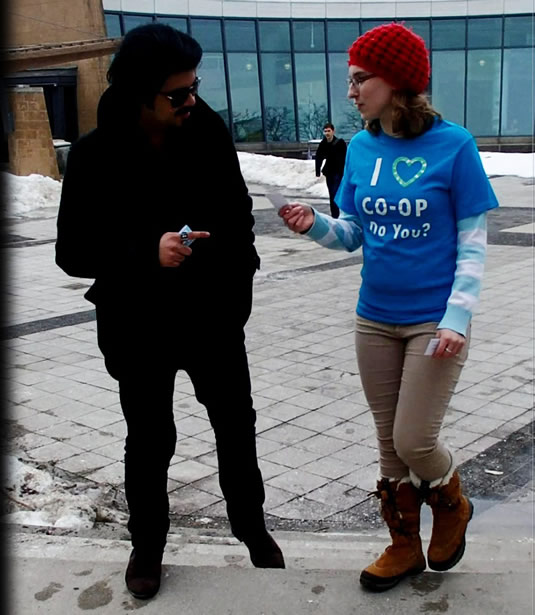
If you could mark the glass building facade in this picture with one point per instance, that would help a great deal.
(280, 80)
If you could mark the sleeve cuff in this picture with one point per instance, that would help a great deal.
(456, 318)
(319, 228)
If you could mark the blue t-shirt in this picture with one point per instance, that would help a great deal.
(409, 195)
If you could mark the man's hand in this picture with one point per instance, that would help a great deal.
(298, 217)
(173, 251)
(450, 344)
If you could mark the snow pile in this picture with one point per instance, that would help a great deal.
(29, 195)
(521, 165)
(285, 173)
(34, 497)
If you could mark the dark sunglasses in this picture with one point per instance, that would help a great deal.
(179, 96)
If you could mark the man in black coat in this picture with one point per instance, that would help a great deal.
(333, 151)
(159, 159)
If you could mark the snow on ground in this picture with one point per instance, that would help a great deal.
(34, 497)
(38, 196)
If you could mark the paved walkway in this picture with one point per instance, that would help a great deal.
(316, 441)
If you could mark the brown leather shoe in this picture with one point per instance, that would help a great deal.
(264, 551)
(143, 574)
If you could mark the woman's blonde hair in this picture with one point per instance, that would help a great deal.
(412, 115)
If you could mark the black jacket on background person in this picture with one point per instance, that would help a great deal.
(120, 196)
(334, 154)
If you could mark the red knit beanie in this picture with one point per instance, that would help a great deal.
(396, 54)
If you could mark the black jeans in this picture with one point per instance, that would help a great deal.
(333, 182)
(217, 366)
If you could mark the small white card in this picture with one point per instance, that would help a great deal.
(277, 200)
(432, 346)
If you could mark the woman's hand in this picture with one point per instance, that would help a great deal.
(298, 217)
(450, 344)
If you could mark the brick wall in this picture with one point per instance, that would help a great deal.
(30, 145)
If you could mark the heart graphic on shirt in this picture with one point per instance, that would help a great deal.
(409, 162)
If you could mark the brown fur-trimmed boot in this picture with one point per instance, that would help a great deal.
(400, 508)
(451, 513)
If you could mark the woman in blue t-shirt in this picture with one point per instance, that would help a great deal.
(414, 195)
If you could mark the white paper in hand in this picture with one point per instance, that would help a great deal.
(432, 346)
(277, 200)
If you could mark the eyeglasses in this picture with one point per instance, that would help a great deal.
(357, 80)
(179, 96)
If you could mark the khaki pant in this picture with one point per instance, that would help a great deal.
(408, 394)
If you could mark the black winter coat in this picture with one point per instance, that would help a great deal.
(120, 196)
(334, 154)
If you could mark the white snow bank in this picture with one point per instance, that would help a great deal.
(29, 195)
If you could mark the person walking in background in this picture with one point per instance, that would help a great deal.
(163, 305)
(415, 196)
(332, 150)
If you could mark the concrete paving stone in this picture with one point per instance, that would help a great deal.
(112, 474)
(357, 454)
(311, 401)
(344, 409)
(210, 484)
(275, 364)
(297, 481)
(27, 378)
(287, 434)
(207, 436)
(54, 451)
(302, 508)
(463, 402)
(38, 421)
(456, 438)
(276, 497)
(30, 441)
(515, 398)
(334, 494)
(499, 411)
(316, 421)
(191, 448)
(217, 511)
(114, 450)
(328, 467)
(16, 412)
(97, 418)
(270, 469)
(482, 444)
(91, 440)
(260, 402)
(209, 459)
(187, 500)
(507, 429)
(83, 462)
(291, 457)
(452, 416)
(365, 419)
(478, 424)
(117, 429)
(322, 444)
(335, 390)
(65, 430)
(44, 402)
(189, 405)
(189, 470)
(265, 423)
(281, 392)
(364, 477)
(192, 425)
(349, 431)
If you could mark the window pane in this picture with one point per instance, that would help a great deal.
(517, 106)
(240, 35)
(113, 25)
(483, 92)
(311, 94)
(519, 31)
(179, 23)
(419, 27)
(368, 24)
(274, 35)
(448, 84)
(309, 36)
(213, 86)
(279, 114)
(245, 92)
(341, 34)
(131, 21)
(449, 33)
(345, 117)
(485, 32)
(207, 32)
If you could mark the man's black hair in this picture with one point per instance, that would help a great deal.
(147, 56)
(328, 125)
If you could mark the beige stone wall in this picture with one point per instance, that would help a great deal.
(31, 22)
(30, 145)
